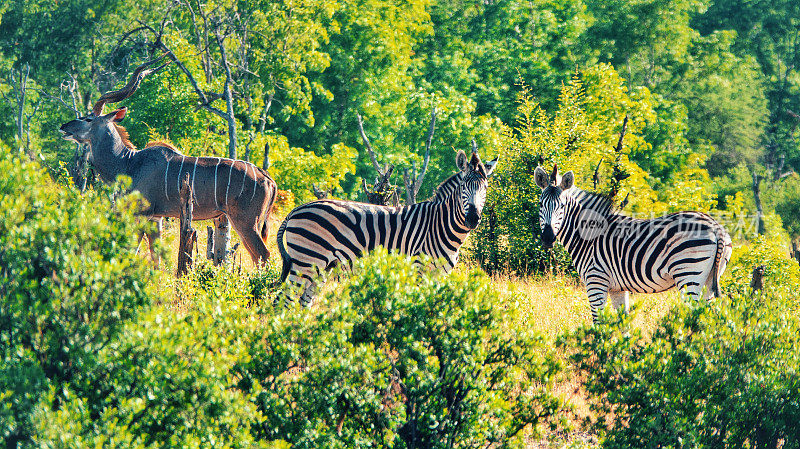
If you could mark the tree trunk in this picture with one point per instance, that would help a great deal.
(266, 156)
(222, 237)
(77, 167)
(492, 237)
(757, 197)
(188, 236)
(230, 116)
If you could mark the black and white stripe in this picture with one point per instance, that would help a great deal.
(616, 254)
(319, 235)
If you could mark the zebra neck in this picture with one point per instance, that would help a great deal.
(447, 231)
(579, 209)
(110, 156)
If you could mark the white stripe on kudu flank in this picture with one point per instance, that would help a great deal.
(216, 203)
(180, 170)
(246, 167)
(255, 181)
(230, 172)
(166, 170)
(193, 172)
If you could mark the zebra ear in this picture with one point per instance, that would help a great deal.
(567, 181)
(541, 177)
(461, 160)
(489, 166)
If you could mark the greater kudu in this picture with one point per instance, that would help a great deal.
(238, 189)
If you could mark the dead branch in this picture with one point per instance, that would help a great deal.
(371, 152)
(596, 176)
(266, 156)
(382, 190)
(322, 194)
(427, 156)
(619, 174)
(411, 181)
(625, 201)
(188, 236)
(618, 149)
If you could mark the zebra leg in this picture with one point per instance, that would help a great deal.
(691, 288)
(620, 299)
(597, 286)
(310, 292)
(297, 281)
(597, 300)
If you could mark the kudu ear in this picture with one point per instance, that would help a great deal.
(461, 160)
(541, 177)
(119, 114)
(489, 166)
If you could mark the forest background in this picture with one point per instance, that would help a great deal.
(711, 88)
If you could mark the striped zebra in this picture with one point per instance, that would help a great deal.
(616, 254)
(319, 235)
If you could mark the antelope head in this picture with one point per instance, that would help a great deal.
(87, 128)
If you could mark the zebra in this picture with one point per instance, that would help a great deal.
(321, 234)
(616, 254)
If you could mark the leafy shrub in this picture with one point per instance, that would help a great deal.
(719, 374)
(166, 382)
(396, 359)
(68, 283)
(781, 273)
(227, 281)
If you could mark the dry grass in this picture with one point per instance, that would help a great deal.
(553, 306)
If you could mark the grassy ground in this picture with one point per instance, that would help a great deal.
(549, 305)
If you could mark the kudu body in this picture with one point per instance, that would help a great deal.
(238, 189)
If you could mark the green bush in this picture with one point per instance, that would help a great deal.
(167, 382)
(720, 374)
(781, 273)
(394, 358)
(68, 283)
(227, 281)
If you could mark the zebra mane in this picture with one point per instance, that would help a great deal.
(448, 186)
(596, 202)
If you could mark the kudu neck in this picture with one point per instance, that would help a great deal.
(110, 156)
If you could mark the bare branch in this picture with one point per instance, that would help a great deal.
(625, 201)
(431, 129)
(318, 193)
(618, 149)
(369, 147)
(596, 177)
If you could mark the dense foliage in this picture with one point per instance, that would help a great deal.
(68, 285)
(710, 87)
(395, 359)
(720, 374)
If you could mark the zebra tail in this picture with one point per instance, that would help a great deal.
(287, 262)
(715, 271)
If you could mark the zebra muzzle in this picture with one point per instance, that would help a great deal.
(548, 237)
